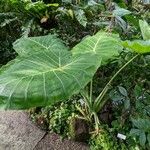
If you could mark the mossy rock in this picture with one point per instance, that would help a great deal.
(79, 129)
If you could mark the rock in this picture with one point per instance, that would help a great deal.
(79, 129)
(17, 132)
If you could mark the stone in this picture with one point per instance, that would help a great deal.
(17, 132)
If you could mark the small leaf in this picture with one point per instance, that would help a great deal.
(123, 91)
(92, 3)
(145, 29)
(80, 16)
(142, 139)
(121, 12)
(36, 6)
(137, 91)
(70, 12)
(136, 123)
(135, 132)
(121, 23)
(126, 103)
(138, 46)
(8, 21)
(53, 4)
(116, 96)
(67, 1)
(148, 139)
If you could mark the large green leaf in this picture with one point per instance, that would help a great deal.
(139, 46)
(105, 45)
(46, 72)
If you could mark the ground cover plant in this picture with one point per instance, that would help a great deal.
(96, 48)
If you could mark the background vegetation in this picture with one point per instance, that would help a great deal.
(128, 107)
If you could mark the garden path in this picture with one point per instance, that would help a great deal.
(17, 132)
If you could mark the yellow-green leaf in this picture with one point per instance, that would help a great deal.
(139, 46)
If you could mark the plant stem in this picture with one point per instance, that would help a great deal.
(97, 123)
(105, 89)
(91, 90)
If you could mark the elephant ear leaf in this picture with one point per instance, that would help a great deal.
(105, 45)
(45, 75)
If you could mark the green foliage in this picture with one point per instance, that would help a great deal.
(120, 96)
(145, 29)
(138, 95)
(105, 141)
(59, 118)
(142, 131)
(33, 18)
(43, 59)
(55, 118)
(119, 126)
(71, 21)
(80, 16)
(9, 30)
(120, 12)
(142, 102)
(15, 22)
(140, 46)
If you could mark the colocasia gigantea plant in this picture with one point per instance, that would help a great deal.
(46, 71)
